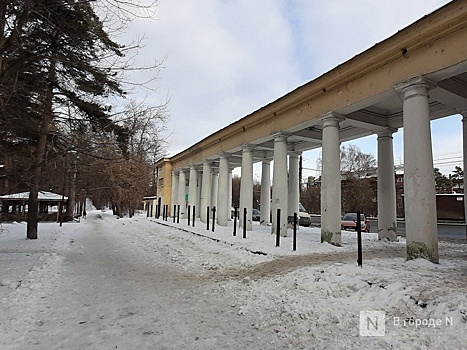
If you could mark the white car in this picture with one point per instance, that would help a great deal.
(304, 219)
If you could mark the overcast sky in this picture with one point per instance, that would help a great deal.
(225, 59)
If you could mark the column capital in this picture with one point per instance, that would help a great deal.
(224, 155)
(331, 119)
(295, 154)
(193, 166)
(281, 136)
(248, 147)
(175, 172)
(386, 133)
(417, 86)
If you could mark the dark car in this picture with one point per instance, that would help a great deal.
(256, 214)
(349, 222)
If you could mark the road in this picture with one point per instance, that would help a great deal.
(446, 231)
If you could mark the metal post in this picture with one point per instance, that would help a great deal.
(207, 218)
(178, 213)
(213, 218)
(235, 222)
(278, 230)
(189, 211)
(359, 239)
(193, 220)
(294, 231)
(175, 212)
(244, 222)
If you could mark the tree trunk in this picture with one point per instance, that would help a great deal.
(38, 160)
(71, 192)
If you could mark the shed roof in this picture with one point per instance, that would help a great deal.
(42, 196)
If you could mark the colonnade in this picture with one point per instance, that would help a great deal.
(214, 188)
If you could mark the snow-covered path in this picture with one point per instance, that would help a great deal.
(109, 283)
(112, 293)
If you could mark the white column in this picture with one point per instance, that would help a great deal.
(419, 181)
(265, 192)
(174, 194)
(279, 183)
(230, 191)
(181, 192)
(246, 187)
(205, 191)
(294, 185)
(214, 191)
(464, 138)
(387, 220)
(331, 181)
(192, 184)
(198, 192)
(223, 203)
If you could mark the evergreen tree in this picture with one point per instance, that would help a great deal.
(56, 60)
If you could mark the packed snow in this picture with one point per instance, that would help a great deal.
(145, 283)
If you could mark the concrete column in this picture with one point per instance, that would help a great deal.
(387, 220)
(205, 191)
(294, 185)
(246, 187)
(464, 138)
(214, 191)
(265, 192)
(419, 181)
(181, 192)
(174, 194)
(198, 192)
(223, 203)
(279, 183)
(192, 188)
(230, 190)
(331, 181)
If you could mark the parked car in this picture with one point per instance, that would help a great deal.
(304, 219)
(256, 214)
(349, 222)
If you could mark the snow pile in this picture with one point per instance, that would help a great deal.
(140, 283)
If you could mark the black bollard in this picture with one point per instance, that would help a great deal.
(207, 218)
(359, 239)
(166, 212)
(189, 211)
(244, 222)
(175, 212)
(178, 213)
(194, 216)
(294, 231)
(278, 233)
(235, 222)
(213, 218)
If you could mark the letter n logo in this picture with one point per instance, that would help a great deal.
(372, 323)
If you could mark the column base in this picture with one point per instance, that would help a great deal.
(389, 234)
(417, 250)
(333, 238)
